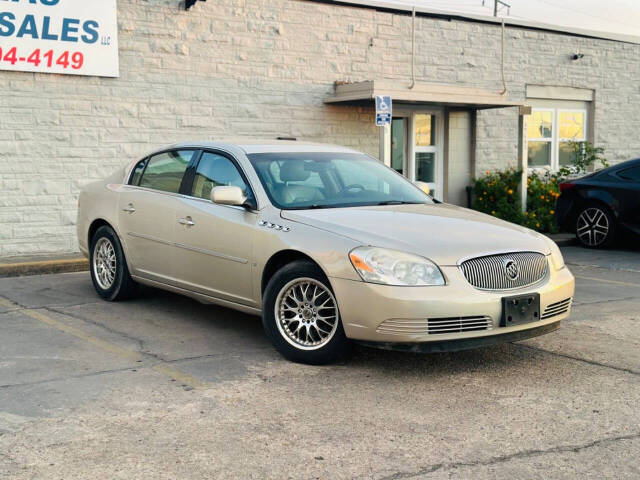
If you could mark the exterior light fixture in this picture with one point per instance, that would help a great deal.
(190, 3)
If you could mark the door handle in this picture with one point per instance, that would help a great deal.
(130, 208)
(187, 221)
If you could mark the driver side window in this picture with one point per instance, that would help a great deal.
(216, 170)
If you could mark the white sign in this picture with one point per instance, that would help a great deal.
(77, 37)
(383, 110)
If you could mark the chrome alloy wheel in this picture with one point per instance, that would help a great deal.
(104, 263)
(592, 226)
(306, 313)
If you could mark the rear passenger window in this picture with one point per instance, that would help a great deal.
(632, 174)
(165, 171)
(214, 171)
(137, 172)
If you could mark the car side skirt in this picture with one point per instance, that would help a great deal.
(199, 296)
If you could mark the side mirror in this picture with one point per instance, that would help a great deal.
(423, 186)
(228, 195)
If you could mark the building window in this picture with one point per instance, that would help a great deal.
(550, 132)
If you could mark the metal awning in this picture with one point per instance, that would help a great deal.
(421, 93)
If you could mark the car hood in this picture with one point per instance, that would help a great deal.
(443, 233)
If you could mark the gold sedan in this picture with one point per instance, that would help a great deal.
(325, 243)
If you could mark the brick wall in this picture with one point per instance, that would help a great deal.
(236, 68)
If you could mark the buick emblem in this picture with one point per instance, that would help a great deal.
(511, 269)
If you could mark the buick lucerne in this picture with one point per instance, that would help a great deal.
(327, 244)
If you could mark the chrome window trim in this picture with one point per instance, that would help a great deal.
(187, 197)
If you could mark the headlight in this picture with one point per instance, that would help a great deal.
(389, 267)
(556, 256)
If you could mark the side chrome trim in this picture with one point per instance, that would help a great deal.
(189, 247)
(199, 296)
(211, 253)
(274, 226)
(150, 238)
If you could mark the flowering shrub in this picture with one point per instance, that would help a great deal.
(496, 193)
(542, 192)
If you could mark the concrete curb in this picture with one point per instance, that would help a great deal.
(39, 267)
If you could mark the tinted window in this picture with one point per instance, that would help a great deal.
(165, 171)
(632, 174)
(214, 171)
(137, 172)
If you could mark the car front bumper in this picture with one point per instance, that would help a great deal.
(366, 308)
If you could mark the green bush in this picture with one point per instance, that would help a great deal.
(497, 194)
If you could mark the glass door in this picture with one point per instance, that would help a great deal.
(427, 151)
(399, 142)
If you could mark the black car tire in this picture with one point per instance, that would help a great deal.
(108, 266)
(286, 293)
(595, 226)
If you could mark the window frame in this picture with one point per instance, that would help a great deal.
(190, 175)
(133, 171)
(556, 140)
(564, 139)
(147, 159)
(619, 173)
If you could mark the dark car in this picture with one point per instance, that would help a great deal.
(601, 205)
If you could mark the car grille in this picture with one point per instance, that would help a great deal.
(434, 326)
(490, 272)
(557, 308)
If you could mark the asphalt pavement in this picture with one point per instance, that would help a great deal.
(163, 387)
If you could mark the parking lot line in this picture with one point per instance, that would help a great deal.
(604, 280)
(112, 348)
(178, 376)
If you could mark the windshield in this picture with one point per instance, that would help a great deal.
(331, 180)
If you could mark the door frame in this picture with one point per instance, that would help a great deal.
(409, 112)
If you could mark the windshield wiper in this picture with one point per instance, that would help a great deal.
(399, 202)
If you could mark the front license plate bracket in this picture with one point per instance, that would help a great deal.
(520, 309)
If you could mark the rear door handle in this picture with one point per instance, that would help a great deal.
(187, 221)
(130, 208)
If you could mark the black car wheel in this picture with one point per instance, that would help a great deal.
(301, 317)
(109, 271)
(595, 226)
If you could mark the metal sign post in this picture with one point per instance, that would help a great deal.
(383, 120)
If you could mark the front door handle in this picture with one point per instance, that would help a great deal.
(187, 221)
(130, 208)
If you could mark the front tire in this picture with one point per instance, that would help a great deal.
(109, 271)
(301, 316)
(595, 226)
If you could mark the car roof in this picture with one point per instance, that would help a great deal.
(614, 168)
(266, 146)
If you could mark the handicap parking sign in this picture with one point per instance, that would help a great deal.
(383, 110)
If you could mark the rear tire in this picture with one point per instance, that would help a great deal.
(595, 226)
(109, 271)
(301, 317)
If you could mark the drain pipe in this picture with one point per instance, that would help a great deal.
(413, 48)
(504, 84)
